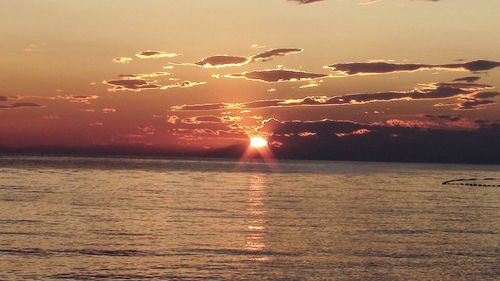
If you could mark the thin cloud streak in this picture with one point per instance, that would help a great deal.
(276, 75)
(356, 68)
(219, 61)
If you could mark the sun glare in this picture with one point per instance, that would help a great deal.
(258, 142)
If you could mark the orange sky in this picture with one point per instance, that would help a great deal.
(73, 73)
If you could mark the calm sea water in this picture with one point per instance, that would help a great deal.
(145, 219)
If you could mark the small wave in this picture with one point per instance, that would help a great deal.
(23, 221)
(115, 233)
(111, 276)
(90, 252)
(401, 231)
(392, 255)
(479, 182)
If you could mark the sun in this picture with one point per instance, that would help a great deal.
(259, 148)
(258, 142)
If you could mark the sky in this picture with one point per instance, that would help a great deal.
(331, 79)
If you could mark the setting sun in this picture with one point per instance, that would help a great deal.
(258, 142)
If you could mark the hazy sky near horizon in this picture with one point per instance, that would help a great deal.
(208, 73)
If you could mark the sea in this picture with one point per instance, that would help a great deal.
(82, 218)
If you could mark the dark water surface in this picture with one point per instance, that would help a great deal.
(145, 219)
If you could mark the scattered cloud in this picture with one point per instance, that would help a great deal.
(184, 84)
(433, 91)
(468, 79)
(257, 46)
(267, 55)
(173, 119)
(147, 129)
(144, 75)
(19, 105)
(276, 75)
(33, 47)
(108, 110)
(345, 128)
(123, 60)
(477, 101)
(137, 85)
(306, 1)
(407, 140)
(219, 61)
(155, 55)
(202, 119)
(78, 99)
(474, 101)
(356, 68)
(311, 84)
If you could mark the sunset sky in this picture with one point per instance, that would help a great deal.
(206, 75)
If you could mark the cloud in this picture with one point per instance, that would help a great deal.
(123, 60)
(144, 75)
(321, 127)
(212, 119)
(19, 105)
(473, 101)
(6, 98)
(155, 54)
(267, 55)
(433, 91)
(349, 69)
(311, 84)
(257, 46)
(446, 117)
(390, 140)
(108, 110)
(138, 85)
(33, 47)
(468, 79)
(78, 99)
(306, 1)
(202, 119)
(477, 101)
(173, 119)
(220, 61)
(147, 129)
(85, 99)
(345, 128)
(184, 84)
(276, 75)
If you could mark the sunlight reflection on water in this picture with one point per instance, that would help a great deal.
(145, 219)
(256, 214)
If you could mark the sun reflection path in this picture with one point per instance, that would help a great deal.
(255, 240)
